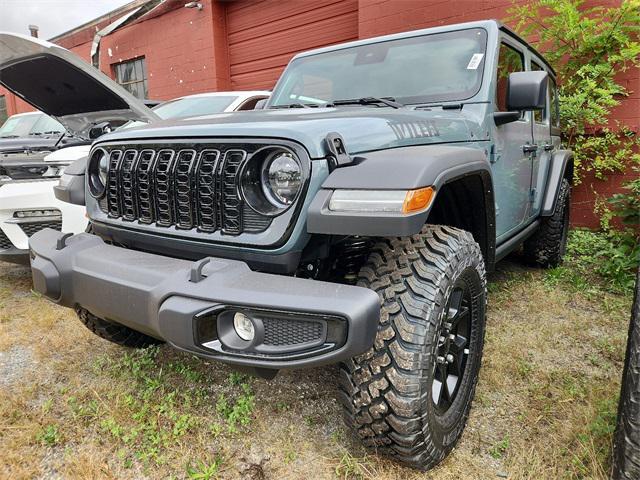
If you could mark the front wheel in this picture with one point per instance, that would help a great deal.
(409, 396)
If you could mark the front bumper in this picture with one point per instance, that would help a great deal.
(190, 304)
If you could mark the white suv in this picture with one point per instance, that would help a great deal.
(27, 203)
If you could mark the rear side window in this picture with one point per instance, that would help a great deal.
(540, 116)
(509, 60)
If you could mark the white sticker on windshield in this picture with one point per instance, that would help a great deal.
(475, 61)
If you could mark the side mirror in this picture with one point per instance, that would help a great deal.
(260, 104)
(527, 90)
(99, 129)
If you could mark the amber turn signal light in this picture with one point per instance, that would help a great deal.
(417, 200)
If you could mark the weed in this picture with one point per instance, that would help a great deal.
(49, 435)
(351, 467)
(500, 448)
(204, 471)
(238, 412)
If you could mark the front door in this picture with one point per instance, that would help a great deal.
(512, 156)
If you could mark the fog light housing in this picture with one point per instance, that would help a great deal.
(244, 327)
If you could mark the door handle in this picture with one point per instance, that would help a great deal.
(528, 148)
(547, 147)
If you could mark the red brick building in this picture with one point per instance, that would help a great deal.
(245, 44)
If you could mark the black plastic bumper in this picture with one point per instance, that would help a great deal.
(15, 255)
(185, 303)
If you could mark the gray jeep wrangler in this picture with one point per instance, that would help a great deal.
(351, 220)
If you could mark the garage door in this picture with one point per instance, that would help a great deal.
(264, 35)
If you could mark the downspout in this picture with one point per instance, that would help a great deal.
(120, 22)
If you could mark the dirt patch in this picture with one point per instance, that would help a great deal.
(74, 406)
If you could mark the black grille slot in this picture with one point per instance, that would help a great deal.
(191, 186)
(231, 211)
(5, 243)
(280, 332)
(144, 182)
(184, 183)
(206, 191)
(128, 184)
(33, 227)
(113, 197)
(164, 188)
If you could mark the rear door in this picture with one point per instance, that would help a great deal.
(542, 137)
(511, 159)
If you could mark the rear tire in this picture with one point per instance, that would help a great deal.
(548, 245)
(115, 332)
(432, 289)
(626, 443)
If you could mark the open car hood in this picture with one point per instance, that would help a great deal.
(62, 85)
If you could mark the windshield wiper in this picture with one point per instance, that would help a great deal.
(293, 105)
(388, 101)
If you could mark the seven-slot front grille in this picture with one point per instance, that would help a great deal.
(185, 188)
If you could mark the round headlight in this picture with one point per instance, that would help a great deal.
(281, 178)
(97, 171)
(272, 180)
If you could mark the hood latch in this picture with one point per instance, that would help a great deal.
(337, 151)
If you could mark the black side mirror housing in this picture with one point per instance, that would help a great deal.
(527, 90)
(99, 129)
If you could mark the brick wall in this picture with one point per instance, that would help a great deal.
(246, 44)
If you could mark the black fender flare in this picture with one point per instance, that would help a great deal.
(560, 167)
(403, 168)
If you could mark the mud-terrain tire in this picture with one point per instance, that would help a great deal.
(548, 245)
(626, 443)
(115, 332)
(431, 285)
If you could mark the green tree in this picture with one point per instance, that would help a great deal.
(589, 47)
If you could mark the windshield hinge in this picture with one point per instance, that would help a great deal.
(337, 152)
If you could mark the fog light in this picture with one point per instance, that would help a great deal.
(244, 327)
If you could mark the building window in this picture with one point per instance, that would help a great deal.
(3, 109)
(132, 75)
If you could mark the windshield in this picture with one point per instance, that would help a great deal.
(25, 125)
(193, 107)
(426, 69)
(47, 126)
(18, 126)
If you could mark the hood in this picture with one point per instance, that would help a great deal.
(62, 85)
(363, 129)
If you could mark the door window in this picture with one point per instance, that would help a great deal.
(540, 116)
(509, 60)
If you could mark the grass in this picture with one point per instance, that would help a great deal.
(74, 406)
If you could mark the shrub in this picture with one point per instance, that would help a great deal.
(589, 47)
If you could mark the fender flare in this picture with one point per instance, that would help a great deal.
(404, 168)
(561, 160)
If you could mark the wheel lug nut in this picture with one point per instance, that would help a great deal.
(440, 359)
(441, 339)
(449, 358)
(452, 337)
